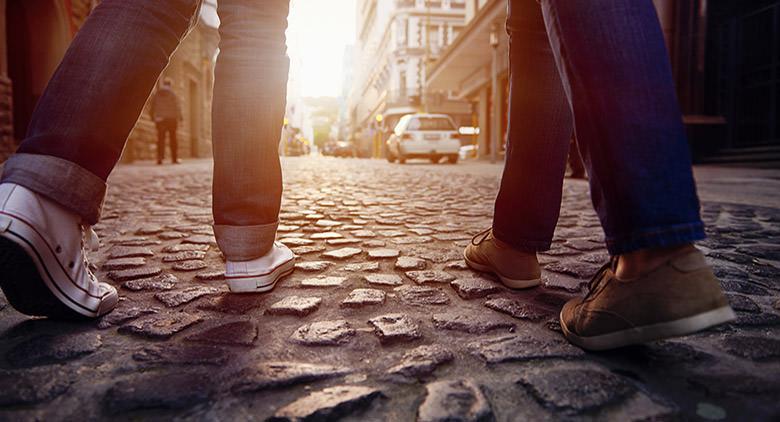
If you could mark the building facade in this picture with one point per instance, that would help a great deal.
(724, 59)
(34, 35)
(396, 39)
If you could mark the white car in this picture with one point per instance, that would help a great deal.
(431, 136)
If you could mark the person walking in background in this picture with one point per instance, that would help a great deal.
(166, 114)
(601, 67)
(52, 188)
(576, 165)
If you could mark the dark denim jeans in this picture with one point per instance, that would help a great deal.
(600, 68)
(84, 117)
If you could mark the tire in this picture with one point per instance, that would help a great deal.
(390, 158)
(452, 159)
(435, 159)
(401, 159)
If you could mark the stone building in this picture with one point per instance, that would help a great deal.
(396, 39)
(724, 59)
(34, 35)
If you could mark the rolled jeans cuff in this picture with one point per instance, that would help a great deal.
(657, 237)
(244, 243)
(60, 180)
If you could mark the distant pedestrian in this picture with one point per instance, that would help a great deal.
(166, 114)
(575, 161)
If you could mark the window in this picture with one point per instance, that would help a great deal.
(430, 123)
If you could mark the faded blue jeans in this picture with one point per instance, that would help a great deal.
(81, 123)
(599, 68)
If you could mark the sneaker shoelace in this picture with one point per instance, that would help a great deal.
(481, 236)
(599, 277)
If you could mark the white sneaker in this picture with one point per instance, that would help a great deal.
(261, 274)
(43, 265)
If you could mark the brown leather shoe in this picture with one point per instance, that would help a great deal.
(516, 269)
(678, 298)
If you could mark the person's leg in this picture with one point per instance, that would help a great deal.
(540, 125)
(160, 142)
(172, 128)
(248, 113)
(81, 122)
(53, 187)
(612, 58)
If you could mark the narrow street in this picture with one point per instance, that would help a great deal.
(382, 321)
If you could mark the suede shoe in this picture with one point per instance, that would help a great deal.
(43, 265)
(516, 269)
(678, 298)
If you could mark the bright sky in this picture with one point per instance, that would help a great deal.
(317, 34)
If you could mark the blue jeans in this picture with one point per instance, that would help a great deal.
(599, 68)
(92, 102)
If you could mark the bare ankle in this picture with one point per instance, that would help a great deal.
(637, 263)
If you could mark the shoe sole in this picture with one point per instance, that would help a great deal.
(648, 333)
(260, 284)
(509, 282)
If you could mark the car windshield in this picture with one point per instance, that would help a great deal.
(430, 123)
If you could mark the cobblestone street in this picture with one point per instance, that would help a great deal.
(382, 321)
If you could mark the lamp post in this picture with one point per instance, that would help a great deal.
(495, 124)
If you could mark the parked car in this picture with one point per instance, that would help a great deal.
(419, 135)
(340, 149)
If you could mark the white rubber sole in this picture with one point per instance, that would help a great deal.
(647, 333)
(508, 282)
(260, 283)
(51, 271)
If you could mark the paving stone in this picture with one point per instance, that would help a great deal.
(305, 250)
(567, 283)
(736, 384)
(158, 391)
(228, 303)
(129, 252)
(457, 265)
(176, 298)
(210, 275)
(410, 263)
(149, 229)
(47, 349)
(237, 333)
(134, 273)
(312, 266)
(742, 303)
(329, 404)
(575, 390)
(189, 265)
(295, 305)
(171, 235)
(124, 313)
(744, 288)
(517, 309)
(672, 353)
(523, 348)
(296, 241)
(551, 299)
(185, 247)
(584, 244)
(474, 323)
(411, 240)
(362, 267)
(200, 239)
(384, 279)
(160, 325)
(363, 297)
(383, 253)
(422, 295)
(395, 327)
(326, 235)
(323, 281)
(757, 320)
(184, 256)
(573, 268)
(451, 236)
(421, 361)
(181, 354)
(474, 287)
(430, 276)
(157, 283)
(324, 333)
(753, 347)
(375, 243)
(343, 253)
(138, 241)
(31, 387)
(267, 375)
(364, 234)
(123, 263)
(770, 252)
(454, 400)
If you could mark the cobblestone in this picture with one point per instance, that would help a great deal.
(448, 347)
(328, 404)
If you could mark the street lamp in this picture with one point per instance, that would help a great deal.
(496, 121)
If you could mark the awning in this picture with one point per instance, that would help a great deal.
(468, 59)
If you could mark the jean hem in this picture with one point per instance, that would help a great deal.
(245, 243)
(525, 245)
(60, 180)
(656, 237)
